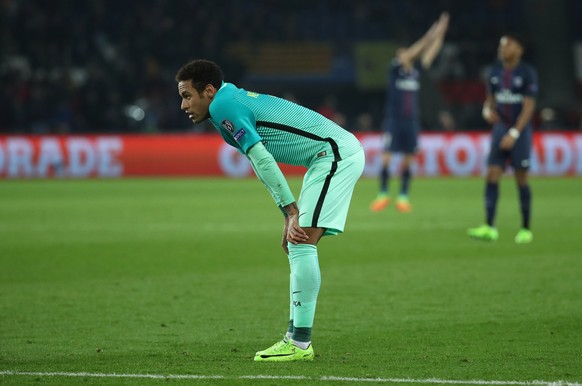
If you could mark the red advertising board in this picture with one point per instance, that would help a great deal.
(111, 156)
(465, 154)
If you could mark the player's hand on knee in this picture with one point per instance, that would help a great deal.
(295, 234)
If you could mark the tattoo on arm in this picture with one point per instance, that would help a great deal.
(290, 209)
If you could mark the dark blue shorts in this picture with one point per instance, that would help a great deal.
(518, 157)
(401, 137)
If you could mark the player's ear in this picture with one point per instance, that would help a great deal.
(210, 91)
(520, 49)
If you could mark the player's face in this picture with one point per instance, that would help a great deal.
(403, 58)
(194, 104)
(508, 49)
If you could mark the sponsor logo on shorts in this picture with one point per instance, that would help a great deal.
(239, 134)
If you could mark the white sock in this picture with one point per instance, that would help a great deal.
(301, 345)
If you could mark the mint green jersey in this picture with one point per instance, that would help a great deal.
(293, 134)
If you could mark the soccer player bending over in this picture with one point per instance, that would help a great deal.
(267, 130)
(510, 104)
(403, 113)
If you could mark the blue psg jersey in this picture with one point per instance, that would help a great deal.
(403, 89)
(509, 87)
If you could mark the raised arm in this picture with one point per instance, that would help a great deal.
(435, 41)
(428, 46)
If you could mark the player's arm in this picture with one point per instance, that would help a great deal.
(270, 174)
(428, 46)
(240, 122)
(527, 111)
(435, 41)
(529, 102)
(411, 53)
(489, 111)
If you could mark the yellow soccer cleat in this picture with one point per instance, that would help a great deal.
(484, 232)
(524, 236)
(285, 351)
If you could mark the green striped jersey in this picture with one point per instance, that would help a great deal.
(293, 134)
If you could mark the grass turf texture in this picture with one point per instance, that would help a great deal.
(187, 277)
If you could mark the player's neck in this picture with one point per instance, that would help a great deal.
(511, 64)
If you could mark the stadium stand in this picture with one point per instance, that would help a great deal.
(108, 66)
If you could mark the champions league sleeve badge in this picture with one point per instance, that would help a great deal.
(228, 126)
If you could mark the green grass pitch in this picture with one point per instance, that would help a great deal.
(187, 277)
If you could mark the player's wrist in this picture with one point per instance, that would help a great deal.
(513, 133)
(290, 209)
(283, 211)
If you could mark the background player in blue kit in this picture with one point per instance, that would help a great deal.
(267, 130)
(403, 113)
(509, 107)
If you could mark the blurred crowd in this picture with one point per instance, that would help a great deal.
(69, 66)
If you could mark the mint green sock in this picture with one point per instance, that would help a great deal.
(291, 307)
(305, 283)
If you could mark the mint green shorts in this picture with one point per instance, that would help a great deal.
(327, 191)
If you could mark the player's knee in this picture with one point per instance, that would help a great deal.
(521, 177)
(493, 174)
(314, 234)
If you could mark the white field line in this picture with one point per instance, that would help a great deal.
(290, 377)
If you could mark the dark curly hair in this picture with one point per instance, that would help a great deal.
(201, 72)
